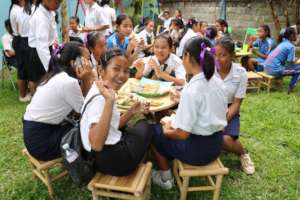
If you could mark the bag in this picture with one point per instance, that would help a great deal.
(81, 170)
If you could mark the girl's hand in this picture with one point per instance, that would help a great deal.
(132, 50)
(139, 107)
(84, 71)
(139, 65)
(168, 129)
(108, 93)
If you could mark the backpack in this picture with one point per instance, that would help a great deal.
(81, 170)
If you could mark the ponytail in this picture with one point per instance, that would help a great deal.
(200, 51)
(286, 34)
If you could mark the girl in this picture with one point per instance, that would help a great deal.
(165, 17)
(261, 47)
(164, 65)
(57, 94)
(148, 36)
(74, 30)
(94, 18)
(194, 136)
(203, 28)
(191, 30)
(19, 18)
(211, 34)
(97, 46)
(9, 52)
(109, 16)
(275, 63)
(42, 35)
(222, 28)
(175, 31)
(117, 150)
(235, 81)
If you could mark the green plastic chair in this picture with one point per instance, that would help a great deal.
(230, 30)
(250, 32)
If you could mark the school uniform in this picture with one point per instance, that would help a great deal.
(148, 39)
(113, 41)
(7, 46)
(264, 47)
(50, 105)
(236, 85)
(72, 34)
(188, 35)
(42, 34)
(123, 149)
(275, 62)
(202, 113)
(94, 17)
(109, 16)
(173, 66)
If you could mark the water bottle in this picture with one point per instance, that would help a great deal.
(71, 154)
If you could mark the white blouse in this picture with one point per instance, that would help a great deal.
(13, 17)
(188, 35)
(92, 115)
(53, 101)
(94, 17)
(109, 16)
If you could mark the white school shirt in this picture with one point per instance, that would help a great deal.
(7, 42)
(202, 106)
(188, 35)
(94, 17)
(53, 101)
(144, 34)
(13, 17)
(42, 33)
(235, 82)
(174, 64)
(109, 16)
(92, 115)
(23, 22)
(77, 35)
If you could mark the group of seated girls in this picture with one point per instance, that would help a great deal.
(207, 119)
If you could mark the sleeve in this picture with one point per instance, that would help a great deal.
(270, 45)
(109, 43)
(42, 43)
(73, 95)
(113, 15)
(147, 68)
(291, 54)
(13, 20)
(186, 114)
(6, 43)
(256, 43)
(180, 71)
(242, 87)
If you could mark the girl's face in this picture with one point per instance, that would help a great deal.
(203, 28)
(223, 56)
(125, 28)
(116, 72)
(196, 27)
(99, 48)
(85, 53)
(161, 49)
(186, 61)
(51, 5)
(261, 33)
(218, 26)
(73, 25)
(150, 27)
(293, 38)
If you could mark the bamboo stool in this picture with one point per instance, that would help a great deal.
(136, 186)
(183, 173)
(254, 81)
(268, 79)
(40, 169)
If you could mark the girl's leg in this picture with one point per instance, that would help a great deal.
(233, 145)
(295, 76)
(161, 160)
(252, 62)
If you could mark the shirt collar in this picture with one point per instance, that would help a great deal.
(197, 77)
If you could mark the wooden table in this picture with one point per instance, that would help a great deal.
(167, 103)
(254, 81)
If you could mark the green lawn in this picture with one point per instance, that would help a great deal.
(270, 130)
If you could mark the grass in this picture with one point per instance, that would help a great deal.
(270, 126)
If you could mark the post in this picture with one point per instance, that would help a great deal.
(64, 20)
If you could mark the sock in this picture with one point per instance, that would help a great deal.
(166, 174)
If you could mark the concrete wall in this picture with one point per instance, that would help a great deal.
(240, 13)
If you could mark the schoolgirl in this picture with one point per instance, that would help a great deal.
(164, 65)
(117, 150)
(96, 44)
(195, 135)
(148, 37)
(109, 16)
(56, 96)
(235, 81)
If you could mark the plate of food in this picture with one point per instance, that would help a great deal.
(153, 88)
(125, 101)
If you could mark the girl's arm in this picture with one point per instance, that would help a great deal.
(135, 109)
(167, 77)
(175, 134)
(234, 108)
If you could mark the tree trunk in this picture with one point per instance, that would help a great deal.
(64, 20)
(275, 17)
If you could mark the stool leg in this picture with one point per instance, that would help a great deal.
(94, 195)
(184, 189)
(218, 187)
(49, 185)
(269, 84)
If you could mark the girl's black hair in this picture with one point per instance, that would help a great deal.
(202, 22)
(146, 21)
(27, 7)
(227, 43)
(121, 18)
(193, 48)
(104, 2)
(165, 37)
(267, 29)
(287, 34)
(177, 22)
(75, 18)
(92, 39)
(211, 32)
(223, 23)
(109, 54)
(191, 22)
(8, 26)
(61, 61)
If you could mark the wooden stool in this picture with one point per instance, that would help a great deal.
(41, 169)
(136, 186)
(267, 80)
(254, 81)
(183, 173)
